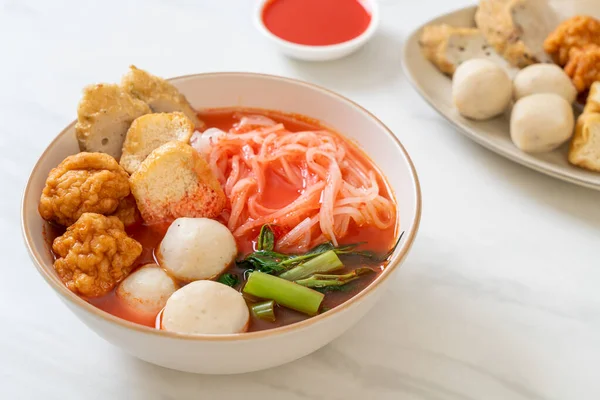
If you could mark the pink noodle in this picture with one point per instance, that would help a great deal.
(336, 185)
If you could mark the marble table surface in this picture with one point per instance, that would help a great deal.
(498, 299)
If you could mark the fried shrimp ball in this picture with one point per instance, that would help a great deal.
(84, 182)
(576, 32)
(584, 66)
(127, 211)
(95, 254)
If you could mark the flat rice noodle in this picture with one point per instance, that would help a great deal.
(336, 188)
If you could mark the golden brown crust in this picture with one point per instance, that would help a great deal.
(434, 44)
(84, 182)
(95, 254)
(497, 21)
(104, 114)
(159, 94)
(151, 131)
(585, 145)
(127, 212)
(577, 32)
(175, 181)
(592, 104)
(584, 151)
(584, 66)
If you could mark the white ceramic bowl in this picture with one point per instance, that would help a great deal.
(244, 352)
(319, 53)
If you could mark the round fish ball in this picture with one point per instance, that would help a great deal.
(544, 78)
(206, 307)
(196, 248)
(147, 289)
(541, 122)
(481, 89)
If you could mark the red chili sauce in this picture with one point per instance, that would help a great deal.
(316, 22)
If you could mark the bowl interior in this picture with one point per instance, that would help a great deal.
(259, 91)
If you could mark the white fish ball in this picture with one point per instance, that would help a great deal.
(206, 307)
(147, 289)
(196, 248)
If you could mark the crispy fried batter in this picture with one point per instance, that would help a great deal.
(151, 131)
(577, 32)
(175, 181)
(159, 94)
(84, 182)
(584, 66)
(127, 212)
(104, 114)
(95, 254)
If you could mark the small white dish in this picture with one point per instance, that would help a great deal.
(319, 53)
(436, 89)
(242, 352)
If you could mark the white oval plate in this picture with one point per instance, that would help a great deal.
(435, 88)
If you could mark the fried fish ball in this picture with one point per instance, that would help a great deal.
(576, 32)
(584, 67)
(95, 254)
(84, 182)
(128, 212)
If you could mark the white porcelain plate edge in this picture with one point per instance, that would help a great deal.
(435, 88)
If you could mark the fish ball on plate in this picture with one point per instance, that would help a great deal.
(206, 307)
(196, 248)
(541, 122)
(481, 89)
(147, 289)
(544, 78)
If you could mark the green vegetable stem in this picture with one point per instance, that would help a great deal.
(283, 292)
(326, 262)
(266, 239)
(326, 281)
(264, 310)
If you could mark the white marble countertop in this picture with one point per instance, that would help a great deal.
(498, 299)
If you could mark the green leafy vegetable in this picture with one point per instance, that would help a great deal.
(264, 310)
(229, 279)
(285, 293)
(265, 261)
(266, 239)
(326, 262)
(330, 280)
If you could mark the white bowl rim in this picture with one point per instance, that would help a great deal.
(362, 38)
(77, 301)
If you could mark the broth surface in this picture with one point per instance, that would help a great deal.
(278, 193)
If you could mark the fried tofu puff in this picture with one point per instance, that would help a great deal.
(151, 131)
(175, 181)
(83, 182)
(94, 255)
